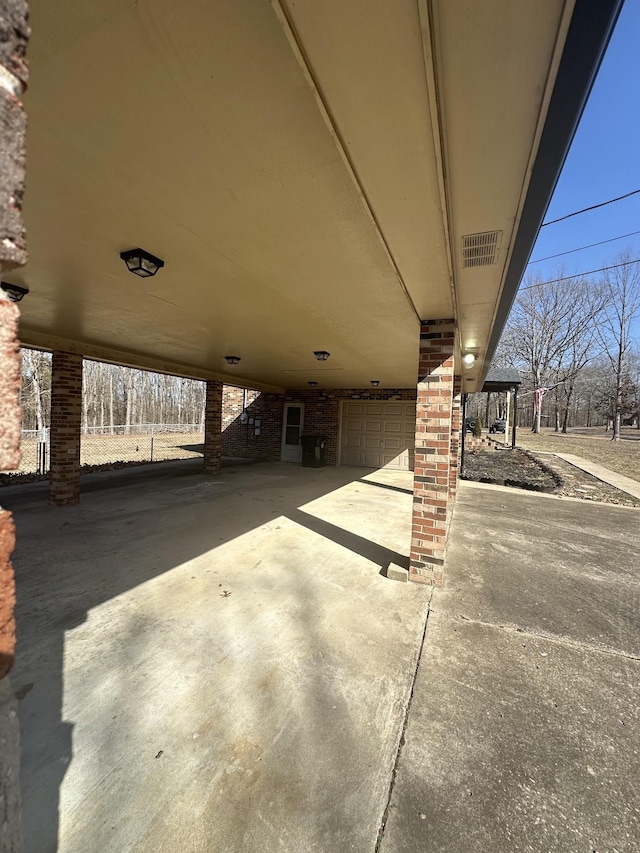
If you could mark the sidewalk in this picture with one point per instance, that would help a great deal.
(625, 484)
(523, 731)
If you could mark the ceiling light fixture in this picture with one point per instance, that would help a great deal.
(375, 382)
(313, 384)
(141, 263)
(232, 359)
(321, 354)
(14, 291)
(469, 359)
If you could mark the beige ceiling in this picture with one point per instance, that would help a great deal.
(306, 170)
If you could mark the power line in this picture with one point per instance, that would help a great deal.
(580, 274)
(593, 207)
(580, 249)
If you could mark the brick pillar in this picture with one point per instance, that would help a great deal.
(14, 34)
(456, 424)
(213, 428)
(433, 452)
(66, 420)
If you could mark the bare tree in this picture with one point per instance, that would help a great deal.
(622, 290)
(551, 330)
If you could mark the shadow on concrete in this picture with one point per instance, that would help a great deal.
(174, 515)
(386, 486)
(371, 551)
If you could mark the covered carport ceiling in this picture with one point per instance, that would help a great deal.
(306, 170)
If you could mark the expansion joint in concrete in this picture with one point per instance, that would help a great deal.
(403, 732)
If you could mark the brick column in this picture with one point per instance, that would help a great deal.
(456, 424)
(433, 452)
(66, 421)
(213, 428)
(14, 34)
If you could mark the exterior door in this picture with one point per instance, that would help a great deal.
(291, 432)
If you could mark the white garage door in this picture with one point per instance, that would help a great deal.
(378, 435)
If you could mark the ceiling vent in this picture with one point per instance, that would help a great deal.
(480, 250)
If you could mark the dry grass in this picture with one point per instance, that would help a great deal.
(106, 449)
(623, 457)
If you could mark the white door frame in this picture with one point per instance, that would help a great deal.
(288, 406)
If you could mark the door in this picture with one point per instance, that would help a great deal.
(378, 434)
(291, 432)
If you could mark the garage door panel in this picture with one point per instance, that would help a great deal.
(353, 440)
(378, 434)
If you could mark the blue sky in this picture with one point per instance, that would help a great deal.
(604, 162)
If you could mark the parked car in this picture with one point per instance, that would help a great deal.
(499, 425)
(469, 424)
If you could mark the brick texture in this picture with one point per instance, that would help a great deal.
(322, 410)
(14, 34)
(66, 420)
(456, 425)
(321, 417)
(213, 428)
(239, 438)
(431, 488)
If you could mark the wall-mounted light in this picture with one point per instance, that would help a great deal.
(469, 359)
(232, 359)
(313, 384)
(141, 263)
(321, 354)
(375, 382)
(14, 291)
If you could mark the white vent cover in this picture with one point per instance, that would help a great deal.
(480, 250)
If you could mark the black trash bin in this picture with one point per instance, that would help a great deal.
(313, 455)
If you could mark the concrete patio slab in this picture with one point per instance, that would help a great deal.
(523, 732)
(215, 664)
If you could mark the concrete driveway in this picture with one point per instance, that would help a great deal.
(524, 727)
(214, 664)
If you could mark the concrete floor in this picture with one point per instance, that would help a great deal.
(213, 664)
(524, 727)
(159, 714)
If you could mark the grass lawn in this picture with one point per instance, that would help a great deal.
(621, 456)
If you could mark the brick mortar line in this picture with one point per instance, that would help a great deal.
(560, 641)
(405, 723)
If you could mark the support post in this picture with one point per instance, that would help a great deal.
(454, 458)
(14, 34)
(431, 490)
(515, 416)
(213, 428)
(66, 423)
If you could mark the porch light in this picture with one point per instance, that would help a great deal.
(141, 263)
(321, 354)
(313, 384)
(375, 382)
(232, 359)
(469, 359)
(14, 291)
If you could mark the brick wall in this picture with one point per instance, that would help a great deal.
(322, 410)
(321, 417)
(239, 439)
(433, 451)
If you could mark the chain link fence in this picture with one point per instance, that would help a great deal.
(110, 445)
